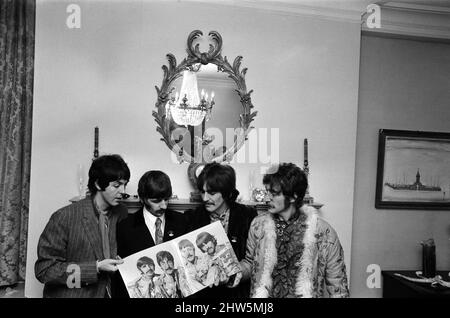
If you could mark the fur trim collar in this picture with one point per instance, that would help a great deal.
(269, 252)
(304, 283)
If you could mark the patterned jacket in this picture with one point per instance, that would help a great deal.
(72, 237)
(321, 265)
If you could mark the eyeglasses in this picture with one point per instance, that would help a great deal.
(273, 193)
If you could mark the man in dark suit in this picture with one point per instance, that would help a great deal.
(217, 183)
(150, 225)
(77, 251)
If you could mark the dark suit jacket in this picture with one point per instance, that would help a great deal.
(72, 236)
(239, 222)
(133, 236)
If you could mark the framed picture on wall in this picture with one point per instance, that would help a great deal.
(413, 170)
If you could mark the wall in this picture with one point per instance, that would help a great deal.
(303, 70)
(404, 84)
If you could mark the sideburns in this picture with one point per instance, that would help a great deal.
(287, 202)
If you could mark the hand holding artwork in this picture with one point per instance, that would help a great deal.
(234, 280)
(183, 270)
(213, 276)
(108, 265)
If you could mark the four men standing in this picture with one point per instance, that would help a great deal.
(285, 252)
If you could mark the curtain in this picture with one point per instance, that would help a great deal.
(17, 25)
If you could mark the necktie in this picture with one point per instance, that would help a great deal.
(158, 232)
(104, 231)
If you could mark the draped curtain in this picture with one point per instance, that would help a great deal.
(17, 25)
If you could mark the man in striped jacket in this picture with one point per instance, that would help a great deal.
(77, 251)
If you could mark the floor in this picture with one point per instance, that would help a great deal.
(14, 291)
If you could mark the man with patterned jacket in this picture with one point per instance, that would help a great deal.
(291, 252)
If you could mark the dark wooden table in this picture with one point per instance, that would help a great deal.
(398, 287)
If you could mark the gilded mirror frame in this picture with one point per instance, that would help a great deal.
(174, 71)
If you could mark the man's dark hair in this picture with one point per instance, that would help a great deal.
(154, 184)
(204, 238)
(219, 178)
(291, 179)
(144, 260)
(106, 169)
(161, 255)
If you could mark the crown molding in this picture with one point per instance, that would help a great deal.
(291, 8)
(412, 20)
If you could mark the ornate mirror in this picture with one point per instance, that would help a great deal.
(204, 110)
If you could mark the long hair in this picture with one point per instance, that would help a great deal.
(204, 238)
(185, 243)
(219, 178)
(291, 179)
(161, 255)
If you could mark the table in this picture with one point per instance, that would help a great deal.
(398, 287)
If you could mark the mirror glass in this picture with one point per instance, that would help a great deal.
(204, 110)
(224, 113)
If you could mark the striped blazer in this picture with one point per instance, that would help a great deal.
(72, 236)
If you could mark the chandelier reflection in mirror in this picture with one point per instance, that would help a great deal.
(177, 114)
(187, 108)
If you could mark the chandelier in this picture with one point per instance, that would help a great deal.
(187, 108)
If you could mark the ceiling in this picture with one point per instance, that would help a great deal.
(358, 5)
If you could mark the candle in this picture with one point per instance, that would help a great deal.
(305, 154)
(428, 258)
(96, 143)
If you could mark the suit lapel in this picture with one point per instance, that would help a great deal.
(235, 235)
(141, 229)
(91, 228)
(171, 229)
(231, 223)
(204, 216)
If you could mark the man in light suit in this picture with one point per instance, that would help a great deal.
(77, 251)
(150, 225)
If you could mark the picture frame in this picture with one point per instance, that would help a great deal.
(413, 170)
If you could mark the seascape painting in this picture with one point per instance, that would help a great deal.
(414, 170)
